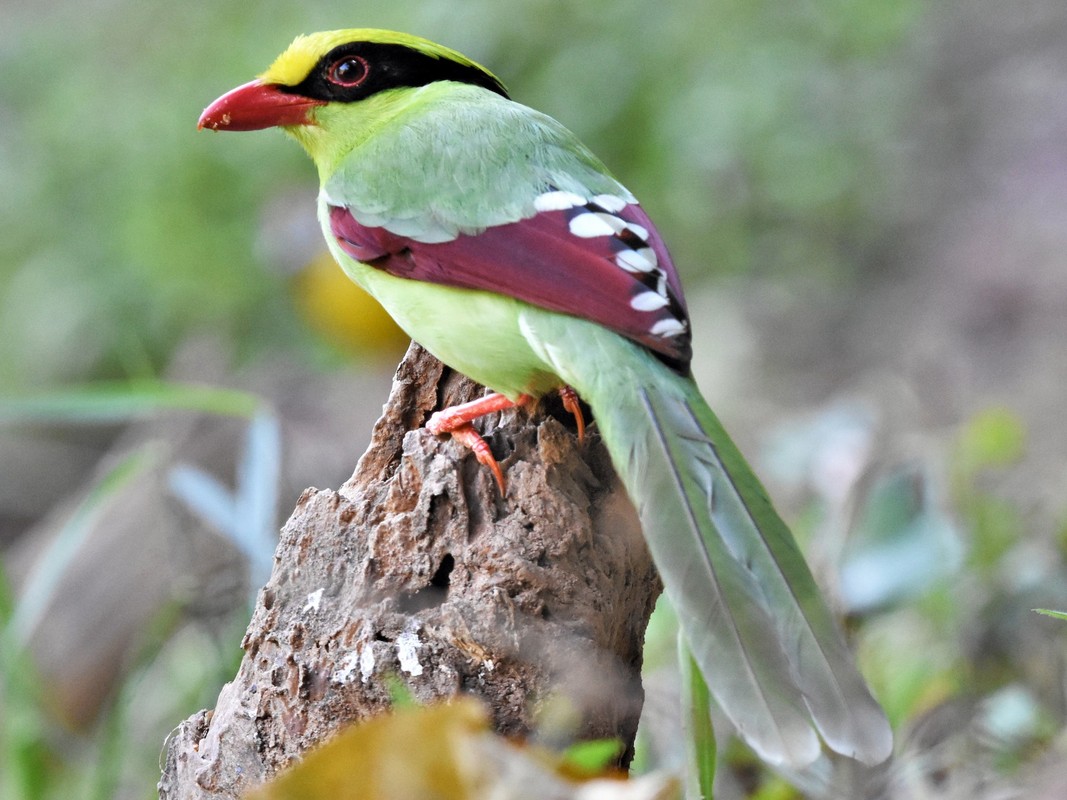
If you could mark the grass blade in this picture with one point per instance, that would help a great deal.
(121, 401)
(51, 565)
(696, 724)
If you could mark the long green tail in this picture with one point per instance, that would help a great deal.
(771, 652)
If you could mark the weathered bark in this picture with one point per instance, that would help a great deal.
(418, 571)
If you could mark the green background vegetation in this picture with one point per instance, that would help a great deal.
(865, 200)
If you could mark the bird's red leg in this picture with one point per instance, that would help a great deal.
(457, 421)
(448, 419)
(570, 402)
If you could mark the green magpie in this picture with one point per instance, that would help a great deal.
(501, 244)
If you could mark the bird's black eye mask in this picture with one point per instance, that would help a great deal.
(356, 70)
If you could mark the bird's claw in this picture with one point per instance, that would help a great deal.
(456, 420)
(570, 402)
(466, 435)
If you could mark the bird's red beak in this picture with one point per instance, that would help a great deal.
(257, 105)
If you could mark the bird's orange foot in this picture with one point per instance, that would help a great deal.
(570, 402)
(457, 421)
(466, 435)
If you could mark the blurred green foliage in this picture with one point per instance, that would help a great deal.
(763, 137)
(38, 759)
(991, 441)
(174, 670)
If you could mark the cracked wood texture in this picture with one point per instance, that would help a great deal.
(418, 571)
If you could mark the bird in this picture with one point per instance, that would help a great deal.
(504, 246)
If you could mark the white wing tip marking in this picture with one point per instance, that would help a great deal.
(611, 202)
(668, 327)
(648, 301)
(558, 201)
(641, 260)
(589, 225)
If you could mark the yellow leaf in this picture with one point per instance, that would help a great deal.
(408, 753)
(443, 752)
(344, 314)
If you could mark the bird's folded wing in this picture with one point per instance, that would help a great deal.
(599, 259)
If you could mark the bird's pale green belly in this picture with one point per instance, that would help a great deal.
(474, 332)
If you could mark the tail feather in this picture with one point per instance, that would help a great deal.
(741, 521)
(718, 602)
(770, 650)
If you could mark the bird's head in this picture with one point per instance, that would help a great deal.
(323, 77)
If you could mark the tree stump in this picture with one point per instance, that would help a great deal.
(417, 571)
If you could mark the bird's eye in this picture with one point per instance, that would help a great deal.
(348, 71)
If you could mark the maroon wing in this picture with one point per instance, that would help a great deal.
(601, 260)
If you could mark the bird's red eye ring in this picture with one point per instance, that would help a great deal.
(348, 72)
